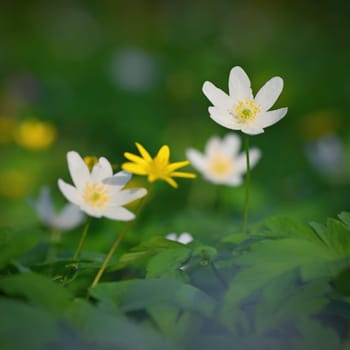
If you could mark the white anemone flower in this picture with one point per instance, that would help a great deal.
(183, 238)
(240, 110)
(99, 193)
(221, 162)
(67, 219)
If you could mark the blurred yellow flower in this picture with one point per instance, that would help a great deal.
(35, 135)
(90, 161)
(6, 129)
(157, 168)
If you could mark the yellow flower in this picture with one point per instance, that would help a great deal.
(35, 135)
(157, 168)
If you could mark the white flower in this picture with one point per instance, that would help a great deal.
(327, 155)
(68, 218)
(239, 110)
(221, 163)
(183, 238)
(99, 193)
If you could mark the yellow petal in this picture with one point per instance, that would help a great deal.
(134, 158)
(177, 165)
(163, 154)
(185, 175)
(134, 168)
(146, 156)
(171, 182)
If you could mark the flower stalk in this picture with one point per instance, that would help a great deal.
(116, 244)
(247, 185)
(82, 239)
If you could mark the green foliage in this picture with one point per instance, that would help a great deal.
(284, 285)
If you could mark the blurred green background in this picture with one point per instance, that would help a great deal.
(106, 74)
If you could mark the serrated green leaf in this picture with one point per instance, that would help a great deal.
(345, 217)
(168, 262)
(280, 227)
(16, 244)
(271, 259)
(37, 289)
(335, 235)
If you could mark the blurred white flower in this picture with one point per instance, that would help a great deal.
(67, 219)
(99, 193)
(327, 155)
(239, 110)
(133, 69)
(221, 162)
(183, 238)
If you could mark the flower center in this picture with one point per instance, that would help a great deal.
(96, 194)
(158, 169)
(245, 110)
(220, 165)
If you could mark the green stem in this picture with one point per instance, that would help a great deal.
(82, 239)
(116, 244)
(247, 185)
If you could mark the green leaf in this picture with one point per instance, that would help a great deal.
(271, 259)
(280, 226)
(168, 262)
(16, 244)
(23, 326)
(144, 251)
(107, 330)
(345, 217)
(139, 294)
(37, 289)
(335, 235)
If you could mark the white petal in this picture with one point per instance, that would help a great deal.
(241, 161)
(70, 217)
(213, 146)
(233, 181)
(119, 180)
(171, 237)
(269, 118)
(239, 84)
(231, 144)
(269, 93)
(224, 119)
(118, 213)
(101, 170)
(126, 196)
(196, 159)
(44, 206)
(185, 238)
(252, 129)
(216, 96)
(78, 169)
(70, 192)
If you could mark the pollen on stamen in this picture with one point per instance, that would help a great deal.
(96, 195)
(245, 110)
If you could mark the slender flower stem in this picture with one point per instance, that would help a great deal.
(247, 185)
(116, 244)
(82, 239)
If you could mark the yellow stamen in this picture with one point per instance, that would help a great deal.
(245, 110)
(96, 194)
(220, 165)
